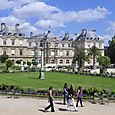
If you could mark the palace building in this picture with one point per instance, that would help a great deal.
(57, 50)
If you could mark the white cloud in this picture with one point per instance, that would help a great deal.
(57, 17)
(22, 10)
(10, 4)
(37, 9)
(5, 4)
(106, 39)
(24, 27)
(82, 16)
(111, 27)
(27, 28)
(11, 20)
(47, 23)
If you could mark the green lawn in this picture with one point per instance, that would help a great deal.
(30, 80)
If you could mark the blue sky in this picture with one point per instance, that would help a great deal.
(62, 15)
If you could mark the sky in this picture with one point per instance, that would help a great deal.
(61, 15)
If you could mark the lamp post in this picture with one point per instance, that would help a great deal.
(42, 76)
(43, 61)
(55, 51)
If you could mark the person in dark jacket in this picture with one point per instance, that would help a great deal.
(71, 99)
(65, 93)
(51, 99)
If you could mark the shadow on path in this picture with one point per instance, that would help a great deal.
(42, 110)
(59, 103)
(62, 109)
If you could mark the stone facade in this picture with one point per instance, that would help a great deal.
(85, 40)
(57, 51)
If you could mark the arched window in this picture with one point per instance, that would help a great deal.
(52, 61)
(67, 61)
(61, 61)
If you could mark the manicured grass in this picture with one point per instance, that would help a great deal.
(30, 80)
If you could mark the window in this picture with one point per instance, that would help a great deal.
(20, 42)
(13, 52)
(29, 43)
(62, 45)
(52, 61)
(100, 45)
(67, 53)
(4, 42)
(21, 52)
(13, 42)
(33, 52)
(61, 61)
(67, 61)
(4, 52)
(69, 45)
(36, 44)
(52, 53)
(61, 53)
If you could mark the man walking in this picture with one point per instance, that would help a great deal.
(50, 98)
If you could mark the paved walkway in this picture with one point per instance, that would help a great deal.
(34, 106)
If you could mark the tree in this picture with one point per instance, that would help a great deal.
(9, 63)
(111, 50)
(35, 63)
(104, 61)
(29, 64)
(24, 62)
(18, 62)
(80, 57)
(94, 53)
(3, 58)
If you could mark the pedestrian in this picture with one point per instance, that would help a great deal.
(50, 99)
(72, 90)
(71, 99)
(79, 96)
(65, 93)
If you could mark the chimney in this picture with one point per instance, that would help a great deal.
(84, 31)
(31, 34)
(3, 26)
(17, 27)
(94, 30)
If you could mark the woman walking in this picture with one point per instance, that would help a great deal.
(79, 96)
(71, 99)
(50, 98)
(65, 92)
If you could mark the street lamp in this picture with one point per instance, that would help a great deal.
(55, 51)
(43, 44)
(42, 76)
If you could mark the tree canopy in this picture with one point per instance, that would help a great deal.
(80, 57)
(3, 58)
(111, 50)
(94, 53)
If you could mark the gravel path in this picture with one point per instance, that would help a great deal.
(35, 106)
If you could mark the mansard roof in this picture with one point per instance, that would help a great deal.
(67, 37)
(88, 35)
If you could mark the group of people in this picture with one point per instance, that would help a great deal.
(68, 97)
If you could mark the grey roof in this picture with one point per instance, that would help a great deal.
(88, 35)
